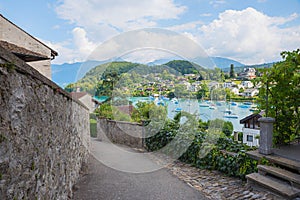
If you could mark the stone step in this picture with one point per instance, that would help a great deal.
(291, 177)
(279, 160)
(277, 186)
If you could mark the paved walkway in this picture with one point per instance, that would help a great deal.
(120, 175)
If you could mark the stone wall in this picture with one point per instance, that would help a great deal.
(130, 134)
(44, 134)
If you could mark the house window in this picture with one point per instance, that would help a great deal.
(249, 138)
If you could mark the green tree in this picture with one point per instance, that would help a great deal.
(222, 76)
(181, 90)
(279, 96)
(203, 91)
(225, 126)
(231, 73)
(70, 87)
(148, 111)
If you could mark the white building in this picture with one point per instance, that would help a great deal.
(227, 84)
(251, 130)
(247, 84)
(26, 47)
(194, 87)
(248, 73)
(234, 90)
(85, 98)
(213, 85)
(250, 92)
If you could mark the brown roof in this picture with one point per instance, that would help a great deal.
(22, 53)
(127, 109)
(53, 53)
(250, 117)
(78, 95)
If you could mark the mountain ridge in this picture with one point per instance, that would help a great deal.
(63, 74)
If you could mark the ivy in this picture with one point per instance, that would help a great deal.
(225, 155)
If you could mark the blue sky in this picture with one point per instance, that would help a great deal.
(249, 31)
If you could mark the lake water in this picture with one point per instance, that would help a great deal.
(205, 113)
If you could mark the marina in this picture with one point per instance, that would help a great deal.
(204, 110)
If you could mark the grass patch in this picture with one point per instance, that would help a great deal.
(93, 128)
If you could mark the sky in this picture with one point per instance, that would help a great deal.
(248, 31)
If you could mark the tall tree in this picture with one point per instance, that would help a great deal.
(279, 96)
(203, 91)
(232, 74)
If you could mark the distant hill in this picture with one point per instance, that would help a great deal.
(110, 70)
(184, 67)
(64, 74)
(225, 62)
(241, 68)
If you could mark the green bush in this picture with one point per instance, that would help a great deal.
(210, 149)
(93, 128)
(226, 156)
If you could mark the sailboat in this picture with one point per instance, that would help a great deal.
(203, 105)
(178, 109)
(229, 114)
(212, 106)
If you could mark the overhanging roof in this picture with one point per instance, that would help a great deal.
(53, 53)
(22, 53)
(250, 117)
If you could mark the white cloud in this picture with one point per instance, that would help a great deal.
(83, 44)
(119, 14)
(217, 3)
(186, 26)
(55, 27)
(206, 15)
(65, 54)
(249, 36)
(101, 20)
(150, 44)
(75, 50)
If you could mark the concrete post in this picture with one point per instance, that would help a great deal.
(266, 135)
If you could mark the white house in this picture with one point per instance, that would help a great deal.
(248, 73)
(213, 85)
(194, 87)
(186, 84)
(251, 129)
(250, 92)
(227, 84)
(234, 90)
(247, 84)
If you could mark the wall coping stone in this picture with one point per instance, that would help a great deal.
(24, 68)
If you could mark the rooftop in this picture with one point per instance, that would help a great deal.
(22, 53)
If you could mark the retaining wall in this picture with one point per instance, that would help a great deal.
(44, 134)
(126, 133)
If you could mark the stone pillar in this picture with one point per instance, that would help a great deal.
(236, 136)
(266, 135)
